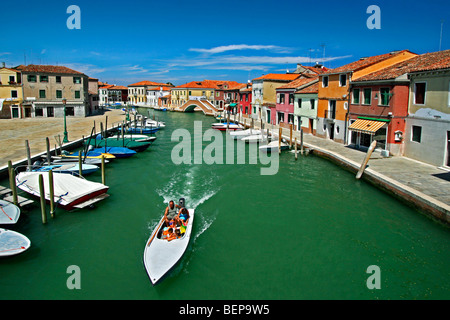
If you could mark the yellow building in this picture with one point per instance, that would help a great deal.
(11, 95)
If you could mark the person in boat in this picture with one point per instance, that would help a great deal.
(171, 213)
(183, 216)
(171, 235)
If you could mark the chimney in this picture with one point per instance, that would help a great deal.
(3, 65)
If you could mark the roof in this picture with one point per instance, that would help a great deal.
(108, 86)
(148, 83)
(165, 88)
(13, 70)
(117, 88)
(47, 69)
(424, 62)
(279, 76)
(298, 83)
(314, 88)
(366, 126)
(317, 70)
(365, 62)
(209, 84)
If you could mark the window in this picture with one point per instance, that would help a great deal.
(384, 96)
(312, 102)
(31, 78)
(58, 79)
(12, 79)
(342, 80)
(281, 98)
(291, 98)
(355, 96)
(416, 134)
(13, 93)
(291, 118)
(299, 102)
(58, 94)
(419, 92)
(324, 81)
(42, 94)
(38, 112)
(77, 94)
(280, 117)
(70, 111)
(367, 96)
(77, 80)
(43, 78)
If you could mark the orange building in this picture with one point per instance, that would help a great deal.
(334, 89)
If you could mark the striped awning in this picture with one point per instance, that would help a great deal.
(366, 126)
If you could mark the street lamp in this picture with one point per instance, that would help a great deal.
(65, 140)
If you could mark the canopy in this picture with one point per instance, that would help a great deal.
(366, 126)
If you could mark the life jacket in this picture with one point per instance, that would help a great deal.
(171, 237)
(165, 233)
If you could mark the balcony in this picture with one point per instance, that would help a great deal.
(330, 115)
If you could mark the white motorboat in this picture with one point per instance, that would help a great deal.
(273, 147)
(12, 243)
(69, 191)
(9, 213)
(161, 255)
(239, 134)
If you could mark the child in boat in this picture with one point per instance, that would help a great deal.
(171, 235)
(178, 233)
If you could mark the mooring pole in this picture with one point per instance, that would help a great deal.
(52, 193)
(290, 135)
(295, 147)
(27, 147)
(280, 130)
(42, 195)
(103, 170)
(80, 165)
(301, 141)
(12, 182)
(366, 159)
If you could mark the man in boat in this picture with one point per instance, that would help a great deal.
(171, 213)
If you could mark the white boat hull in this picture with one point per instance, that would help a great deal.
(12, 243)
(9, 213)
(240, 134)
(160, 255)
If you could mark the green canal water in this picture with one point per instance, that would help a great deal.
(308, 232)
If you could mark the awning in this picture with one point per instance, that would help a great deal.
(233, 104)
(366, 126)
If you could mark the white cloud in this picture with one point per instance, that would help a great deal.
(43, 51)
(233, 47)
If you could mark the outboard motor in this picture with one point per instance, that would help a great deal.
(181, 202)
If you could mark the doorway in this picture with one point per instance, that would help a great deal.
(311, 126)
(332, 131)
(50, 112)
(447, 163)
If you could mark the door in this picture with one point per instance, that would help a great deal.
(332, 131)
(50, 112)
(311, 126)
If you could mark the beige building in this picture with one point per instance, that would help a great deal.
(137, 92)
(11, 95)
(45, 87)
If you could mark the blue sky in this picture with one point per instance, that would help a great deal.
(123, 42)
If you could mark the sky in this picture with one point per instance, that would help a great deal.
(178, 41)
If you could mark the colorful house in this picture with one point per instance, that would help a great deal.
(264, 95)
(334, 90)
(11, 95)
(137, 92)
(305, 106)
(245, 103)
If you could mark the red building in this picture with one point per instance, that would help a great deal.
(378, 107)
(245, 103)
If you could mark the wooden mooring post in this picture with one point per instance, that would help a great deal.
(52, 193)
(280, 130)
(42, 196)
(366, 159)
(27, 148)
(295, 148)
(301, 141)
(12, 183)
(103, 170)
(290, 135)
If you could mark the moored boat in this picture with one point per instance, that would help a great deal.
(117, 152)
(70, 168)
(224, 126)
(239, 134)
(69, 191)
(12, 243)
(273, 147)
(9, 213)
(161, 255)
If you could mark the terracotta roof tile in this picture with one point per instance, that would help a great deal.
(279, 76)
(208, 84)
(314, 88)
(365, 62)
(148, 83)
(298, 83)
(47, 69)
(424, 62)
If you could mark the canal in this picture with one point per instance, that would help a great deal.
(308, 232)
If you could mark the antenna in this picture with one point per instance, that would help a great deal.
(440, 39)
(323, 48)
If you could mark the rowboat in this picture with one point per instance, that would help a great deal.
(124, 143)
(135, 137)
(143, 130)
(273, 147)
(89, 155)
(161, 255)
(70, 168)
(64, 160)
(9, 213)
(118, 152)
(239, 134)
(12, 243)
(69, 191)
(223, 126)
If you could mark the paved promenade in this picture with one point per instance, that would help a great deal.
(14, 132)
